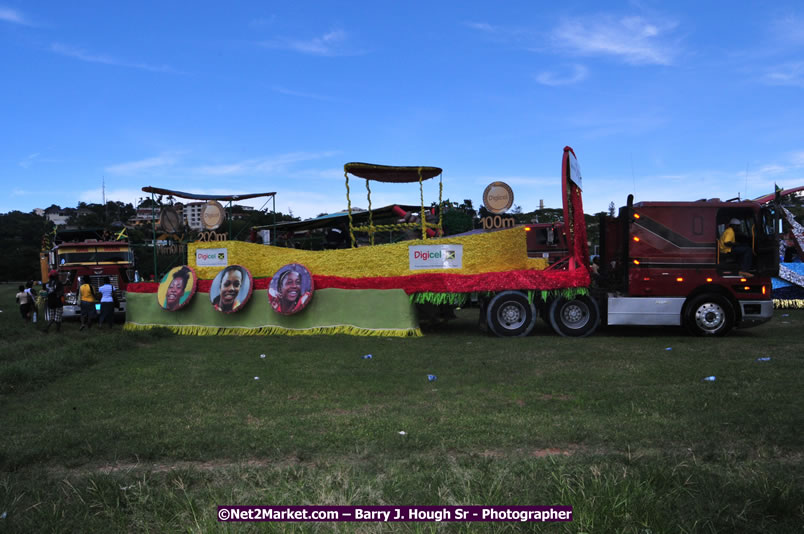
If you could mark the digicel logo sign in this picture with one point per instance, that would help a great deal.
(203, 256)
(424, 255)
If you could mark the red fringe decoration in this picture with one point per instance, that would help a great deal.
(431, 282)
(144, 287)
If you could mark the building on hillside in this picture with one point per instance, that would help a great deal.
(146, 213)
(57, 215)
(192, 215)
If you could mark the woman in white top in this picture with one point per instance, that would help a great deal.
(106, 302)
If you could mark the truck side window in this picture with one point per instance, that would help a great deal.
(697, 225)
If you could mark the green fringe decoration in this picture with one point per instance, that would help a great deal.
(190, 330)
(460, 299)
(568, 293)
(454, 299)
(788, 304)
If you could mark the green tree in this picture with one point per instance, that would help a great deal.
(20, 243)
(457, 218)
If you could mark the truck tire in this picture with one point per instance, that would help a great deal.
(709, 315)
(509, 313)
(576, 317)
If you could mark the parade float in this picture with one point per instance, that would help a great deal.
(661, 266)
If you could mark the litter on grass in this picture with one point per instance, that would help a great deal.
(367, 357)
(765, 359)
(402, 433)
(256, 378)
(709, 379)
(432, 378)
(262, 355)
(669, 348)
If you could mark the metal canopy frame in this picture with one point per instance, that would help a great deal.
(194, 196)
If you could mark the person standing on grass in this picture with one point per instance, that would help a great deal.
(87, 295)
(23, 299)
(106, 302)
(55, 306)
(31, 299)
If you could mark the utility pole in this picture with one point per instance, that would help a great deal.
(105, 209)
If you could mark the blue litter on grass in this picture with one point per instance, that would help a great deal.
(432, 378)
(709, 379)
(669, 348)
(765, 359)
(367, 357)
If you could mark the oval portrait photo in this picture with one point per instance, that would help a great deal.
(231, 289)
(291, 289)
(177, 288)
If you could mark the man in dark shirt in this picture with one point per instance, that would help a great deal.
(55, 306)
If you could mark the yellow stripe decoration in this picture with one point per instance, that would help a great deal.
(349, 209)
(788, 304)
(371, 228)
(275, 330)
(504, 250)
(422, 215)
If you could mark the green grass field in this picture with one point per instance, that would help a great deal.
(106, 431)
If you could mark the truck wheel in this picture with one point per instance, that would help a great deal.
(510, 314)
(577, 317)
(709, 315)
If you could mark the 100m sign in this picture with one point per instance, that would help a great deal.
(496, 221)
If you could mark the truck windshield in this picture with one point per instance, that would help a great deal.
(99, 256)
(768, 221)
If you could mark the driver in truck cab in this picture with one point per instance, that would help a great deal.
(727, 244)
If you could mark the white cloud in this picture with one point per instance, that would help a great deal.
(307, 205)
(13, 16)
(95, 196)
(789, 29)
(790, 74)
(29, 160)
(148, 164)
(770, 170)
(89, 57)
(528, 181)
(633, 39)
(261, 165)
(332, 43)
(482, 26)
(578, 74)
(301, 94)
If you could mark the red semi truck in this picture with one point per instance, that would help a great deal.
(93, 259)
(660, 265)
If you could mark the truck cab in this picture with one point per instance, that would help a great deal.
(661, 265)
(95, 260)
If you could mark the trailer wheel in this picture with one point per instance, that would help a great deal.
(510, 314)
(709, 315)
(577, 317)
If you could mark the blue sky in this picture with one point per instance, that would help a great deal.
(666, 100)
